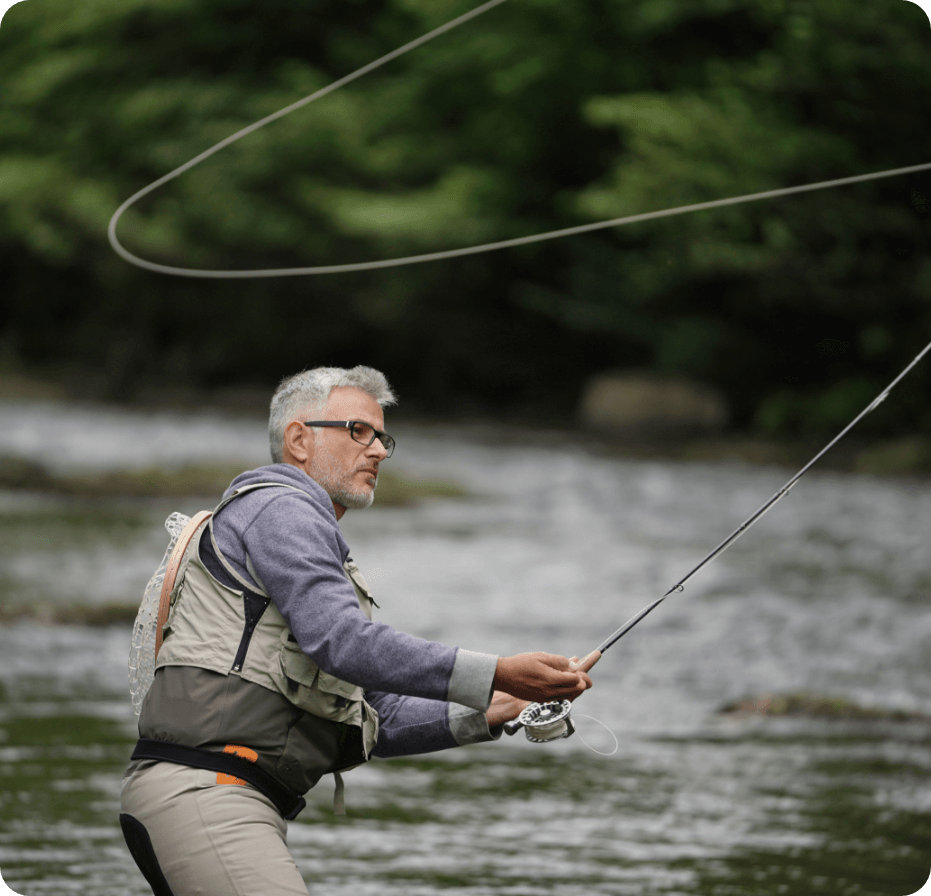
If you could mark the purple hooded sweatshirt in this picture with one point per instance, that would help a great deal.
(428, 696)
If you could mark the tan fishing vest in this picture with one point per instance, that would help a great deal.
(208, 626)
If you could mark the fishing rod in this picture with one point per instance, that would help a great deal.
(550, 721)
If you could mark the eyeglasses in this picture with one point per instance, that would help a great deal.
(361, 432)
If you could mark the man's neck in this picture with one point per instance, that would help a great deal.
(338, 509)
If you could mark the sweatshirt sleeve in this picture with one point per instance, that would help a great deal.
(411, 725)
(297, 552)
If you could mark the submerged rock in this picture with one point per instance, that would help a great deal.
(46, 613)
(643, 405)
(909, 455)
(199, 480)
(818, 706)
(19, 473)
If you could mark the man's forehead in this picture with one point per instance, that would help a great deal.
(351, 402)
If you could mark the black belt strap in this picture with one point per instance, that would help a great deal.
(286, 801)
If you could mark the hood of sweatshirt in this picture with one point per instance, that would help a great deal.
(288, 474)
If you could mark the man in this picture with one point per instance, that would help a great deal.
(271, 671)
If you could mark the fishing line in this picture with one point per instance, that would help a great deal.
(617, 745)
(562, 727)
(451, 253)
(543, 722)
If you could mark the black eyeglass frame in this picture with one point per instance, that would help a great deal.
(351, 425)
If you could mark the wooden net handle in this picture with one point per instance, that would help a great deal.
(171, 573)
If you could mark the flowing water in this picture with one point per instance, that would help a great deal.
(557, 545)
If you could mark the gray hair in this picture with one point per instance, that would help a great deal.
(308, 392)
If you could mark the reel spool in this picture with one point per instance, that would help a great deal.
(544, 721)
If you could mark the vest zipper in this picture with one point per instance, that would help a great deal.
(254, 607)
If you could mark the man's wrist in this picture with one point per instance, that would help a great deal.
(471, 727)
(503, 674)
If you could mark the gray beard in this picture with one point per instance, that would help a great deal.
(340, 489)
(351, 500)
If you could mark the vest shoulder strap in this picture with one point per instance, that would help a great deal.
(258, 586)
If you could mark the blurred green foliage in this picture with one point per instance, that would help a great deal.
(538, 115)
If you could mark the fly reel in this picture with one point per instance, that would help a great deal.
(544, 721)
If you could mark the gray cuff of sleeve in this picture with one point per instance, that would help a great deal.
(472, 680)
(469, 726)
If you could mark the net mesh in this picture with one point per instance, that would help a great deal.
(142, 647)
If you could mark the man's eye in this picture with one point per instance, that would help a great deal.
(363, 431)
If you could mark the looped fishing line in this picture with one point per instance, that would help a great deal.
(579, 715)
(431, 256)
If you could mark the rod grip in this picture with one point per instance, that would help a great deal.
(587, 662)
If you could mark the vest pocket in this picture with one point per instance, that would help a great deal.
(330, 684)
(309, 688)
(363, 592)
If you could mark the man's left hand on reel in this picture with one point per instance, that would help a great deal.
(272, 672)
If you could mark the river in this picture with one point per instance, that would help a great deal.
(558, 542)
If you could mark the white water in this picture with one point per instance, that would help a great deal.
(557, 547)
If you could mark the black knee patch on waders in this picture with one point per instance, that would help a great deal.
(140, 848)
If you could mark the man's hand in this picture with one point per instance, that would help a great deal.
(539, 677)
(504, 708)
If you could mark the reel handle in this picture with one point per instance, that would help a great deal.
(512, 727)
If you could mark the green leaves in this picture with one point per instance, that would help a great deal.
(534, 117)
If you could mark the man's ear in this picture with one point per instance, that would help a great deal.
(294, 448)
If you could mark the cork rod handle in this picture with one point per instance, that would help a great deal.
(587, 661)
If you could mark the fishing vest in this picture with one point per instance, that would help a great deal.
(239, 634)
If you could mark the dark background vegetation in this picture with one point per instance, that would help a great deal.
(538, 115)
